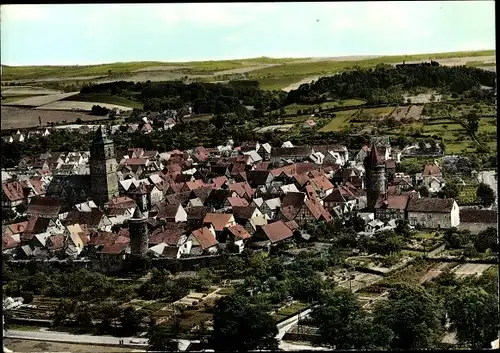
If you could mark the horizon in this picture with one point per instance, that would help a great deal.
(357, 58)
(96, 34)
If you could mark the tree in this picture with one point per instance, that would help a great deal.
(474, 313)
(159, 340)
(64, 311)
(487, 239)
(472, 121)
(450, 191)
(240, 326)
(344, 325)
(485, 194)
(424, 191)
(83, 315)
(456, 239)
(412, 315)
(131, 320)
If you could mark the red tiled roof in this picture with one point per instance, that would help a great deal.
(432, 170)
(167, 236)
(277, 231)
(204, 237)
(398, 202)
(17, 228)
(292, 225)
(218, 220)
(261, 166)
(219, 181)
(8, 242)
(102, 238)
(114, 249)
(239, 232)
(196, 184)
(241, 189)
(56, 242)
(13, 191)
(121, 202)
(322, 183)
(237, 201)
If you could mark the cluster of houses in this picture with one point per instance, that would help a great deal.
(196, 202)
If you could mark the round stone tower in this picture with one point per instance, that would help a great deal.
(139, 234)
(375, 178)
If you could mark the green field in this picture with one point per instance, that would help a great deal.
(105, 98)
(340, 122)
(17, 98)
(467, 194)
(480, 64)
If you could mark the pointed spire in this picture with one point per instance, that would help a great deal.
(138, 214)
(100, 136)
(373, 158)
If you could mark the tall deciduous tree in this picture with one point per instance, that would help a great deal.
(240, 326)
(474, 312)
(485, 194)
(344, 325)
(412, 315)
(159, 340)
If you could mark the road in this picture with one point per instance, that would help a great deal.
(488, 177)
(140, 343)
(70, 338)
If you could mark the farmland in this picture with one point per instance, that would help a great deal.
(41, 100)
(79, 106)
(105, 98)
(19, 118)
(273, 73)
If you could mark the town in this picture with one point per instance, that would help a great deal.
(160, 196)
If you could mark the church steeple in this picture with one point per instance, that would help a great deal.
(103, 179)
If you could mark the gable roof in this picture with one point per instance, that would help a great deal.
(277, 231)
(245, 212)
(432, 169)
(218, 220)
(428, 204)
(168, 211)
(241, 189)
(237, 201)
(168, 236)
(397, 202)
(204, 237)
(239, 232)
(49, 206)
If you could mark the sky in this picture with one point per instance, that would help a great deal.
(85, 34)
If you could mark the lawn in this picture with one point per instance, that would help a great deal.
(487, 125)
(340, 122)
(425, 235)
(105, 98)
(382, 111)
(17, 98)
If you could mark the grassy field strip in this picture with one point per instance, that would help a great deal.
(105, 98)
(42, 100)
(340, 121)
(78, 105)
(27, 91)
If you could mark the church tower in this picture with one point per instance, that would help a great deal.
(139, 234)
(103, 166)
(375, 178)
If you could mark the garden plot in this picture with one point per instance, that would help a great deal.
(400, 112)
(80, 106)
(415, 112)
(42, 100)
(423, 98)
(284, 127)
(470, 270)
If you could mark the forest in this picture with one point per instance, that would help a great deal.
(391, 82)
